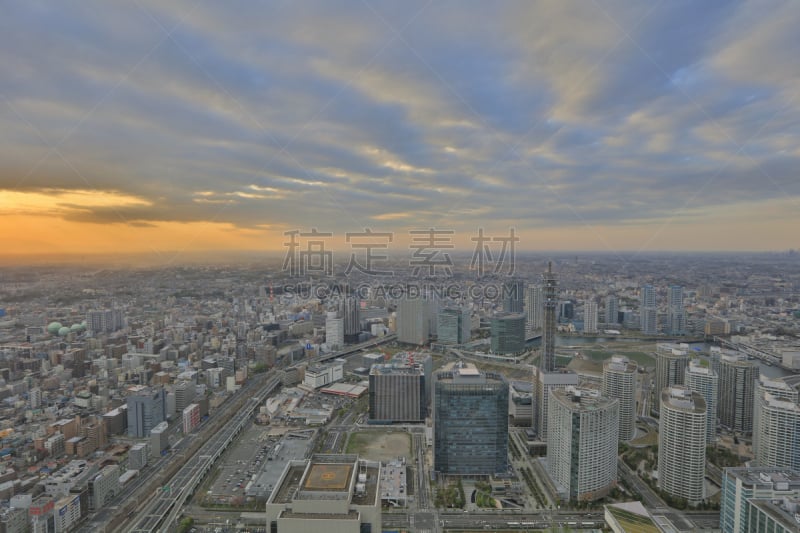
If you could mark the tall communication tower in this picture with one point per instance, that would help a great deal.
(549, 288)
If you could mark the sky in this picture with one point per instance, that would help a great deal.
(168, 127)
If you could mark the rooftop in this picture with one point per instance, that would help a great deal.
(324, 476)
(681, 397)
(765, 476)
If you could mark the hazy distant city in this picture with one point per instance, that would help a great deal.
(583, 392)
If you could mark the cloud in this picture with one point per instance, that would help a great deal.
(547, 114)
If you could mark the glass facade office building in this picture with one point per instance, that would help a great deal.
(470, 431)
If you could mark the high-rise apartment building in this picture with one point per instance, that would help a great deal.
(534, 307)
(671, 363)
(676, 314)
(543, 384)
(682, 443)
(776, 423)
(619, 381)
(582, 442)
(737, 383)
(590, 317)
(648, 312)
(612, 309)
(105, 320)
(700, 377)
(470, 428)
(508, 334)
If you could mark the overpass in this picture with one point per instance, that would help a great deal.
(350, 351)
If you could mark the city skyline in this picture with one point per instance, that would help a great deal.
(606, 126)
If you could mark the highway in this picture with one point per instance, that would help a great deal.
(503, 520)
(162, 511)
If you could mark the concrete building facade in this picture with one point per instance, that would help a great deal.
(700, 377)
(682, 443)
(737, 382)
(582, 443)
(619, 381)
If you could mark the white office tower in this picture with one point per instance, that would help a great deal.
(682, 443)
(737, 382)
(776, 423)
(700, 377)
(619, 381)
(413, 320)
(334, 331)
(582, 443)
(671, 363)
(612, 309)
(648, 314)
(676, 315)
(534, 307)
(590, 317)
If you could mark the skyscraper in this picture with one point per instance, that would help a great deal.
(582, 442)
(549, 287)
(334, 331)
(676, 315)
(146, 409)
(470, 428)
(776, 423)
(700, 377)
(619, 381)
(737, 383)
(349, 311)
(671, 363)
(397, 393)
(534, 307)
(413, 322)
(648, 314)
(590, 317)
(612, 309)
(454, 326)
(682, 443)
(508, 334)
(513, 296)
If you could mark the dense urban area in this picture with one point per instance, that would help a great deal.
(636, 393)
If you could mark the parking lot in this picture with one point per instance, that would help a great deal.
(256, 462)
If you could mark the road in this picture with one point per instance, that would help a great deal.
(163, 510)
(648, 496)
